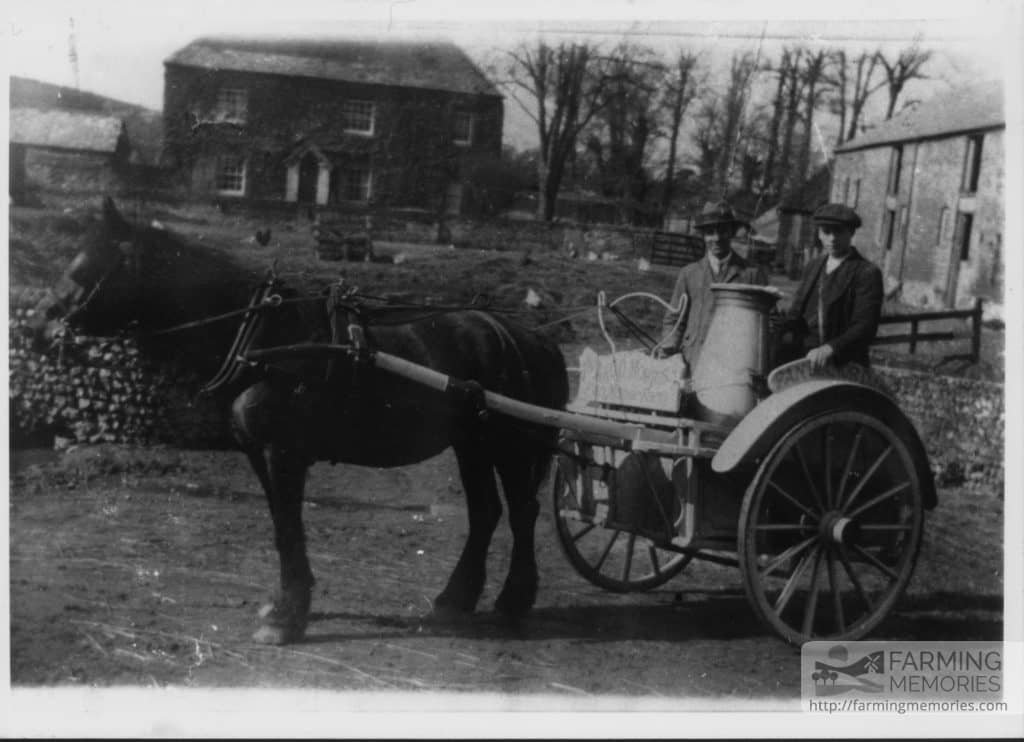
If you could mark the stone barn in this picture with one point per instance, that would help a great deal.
(68, 151)
(929, 186)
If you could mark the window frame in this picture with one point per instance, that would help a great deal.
(889, 229)
(365, 188)
(232, 104)
(971, 173)
(347, 115)
(895, 169)
(470, 126)
(962, 234)
(239, 161)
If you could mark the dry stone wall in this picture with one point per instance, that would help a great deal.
(101, 390)
(961, 422)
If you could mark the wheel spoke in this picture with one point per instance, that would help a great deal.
(885, 527)
(628, 564)
(583, 531)
(655, 564)
(827, 457)
(837, 596)
(791, 584)
(891, 492)
(789, 553)
(812, 599)
(607, 549)
(849, 463)
(864, 480)
(882, 566)
(781, 527)
(855, 580)
(793, 500)
(807, 476)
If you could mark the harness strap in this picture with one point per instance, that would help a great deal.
(233, 366)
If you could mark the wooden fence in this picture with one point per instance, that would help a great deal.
(675, 249)
(915, 336)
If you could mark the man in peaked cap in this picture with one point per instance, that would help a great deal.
(835, 311)
(718, 225)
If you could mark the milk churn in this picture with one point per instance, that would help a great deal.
(735, 352)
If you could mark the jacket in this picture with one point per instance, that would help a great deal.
(851, 307)
(695, 281)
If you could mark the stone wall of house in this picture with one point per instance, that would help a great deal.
(923, 256)
(70, 172)
(410, 153)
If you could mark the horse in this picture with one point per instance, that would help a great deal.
(287, 415)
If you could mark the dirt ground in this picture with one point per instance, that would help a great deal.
(145, 567)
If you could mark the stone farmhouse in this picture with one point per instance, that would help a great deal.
(329, 124)
(929, 186)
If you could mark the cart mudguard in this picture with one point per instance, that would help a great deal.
(765, 425)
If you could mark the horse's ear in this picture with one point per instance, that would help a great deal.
(115, 222)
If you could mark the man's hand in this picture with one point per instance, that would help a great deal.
(820, 356)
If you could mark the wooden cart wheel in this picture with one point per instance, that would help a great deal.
(615, 560)
(830, 528)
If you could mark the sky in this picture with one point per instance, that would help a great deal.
(120, 46)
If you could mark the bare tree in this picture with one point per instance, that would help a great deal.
(626, 123)
(708, 138)
(681, 86)
(853, 82)
(906, 67)
(778, 110)
(812, 74)
(794, 89)
(741, 71)
(565, 83)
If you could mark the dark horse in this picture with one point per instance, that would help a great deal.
(298, 411)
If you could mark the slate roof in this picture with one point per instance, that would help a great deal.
(427, 65)
(145, 127)
(965, 109)
(65, 130)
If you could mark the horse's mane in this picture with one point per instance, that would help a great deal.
(174, 260)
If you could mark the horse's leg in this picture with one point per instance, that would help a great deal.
(521, 477)
(284, 620)
(282, 473)
(483, 506)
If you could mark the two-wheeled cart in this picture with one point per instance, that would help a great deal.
(814, 486)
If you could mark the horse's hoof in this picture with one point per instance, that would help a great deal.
(277, 635)
(450, 612)
(514, 607)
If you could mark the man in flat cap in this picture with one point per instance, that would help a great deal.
(718, 225)
(835, 311)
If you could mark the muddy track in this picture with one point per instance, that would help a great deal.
(151, 575)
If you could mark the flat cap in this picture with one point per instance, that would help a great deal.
(715, 213)
(837, 214)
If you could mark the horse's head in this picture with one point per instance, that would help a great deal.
(97, 285)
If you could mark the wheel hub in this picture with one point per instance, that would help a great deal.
(836, 528)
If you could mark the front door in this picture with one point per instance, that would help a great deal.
(309, 170)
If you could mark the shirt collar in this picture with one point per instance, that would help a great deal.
(832, 263)
(716, 264)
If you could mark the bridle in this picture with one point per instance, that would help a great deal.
(70, 287)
